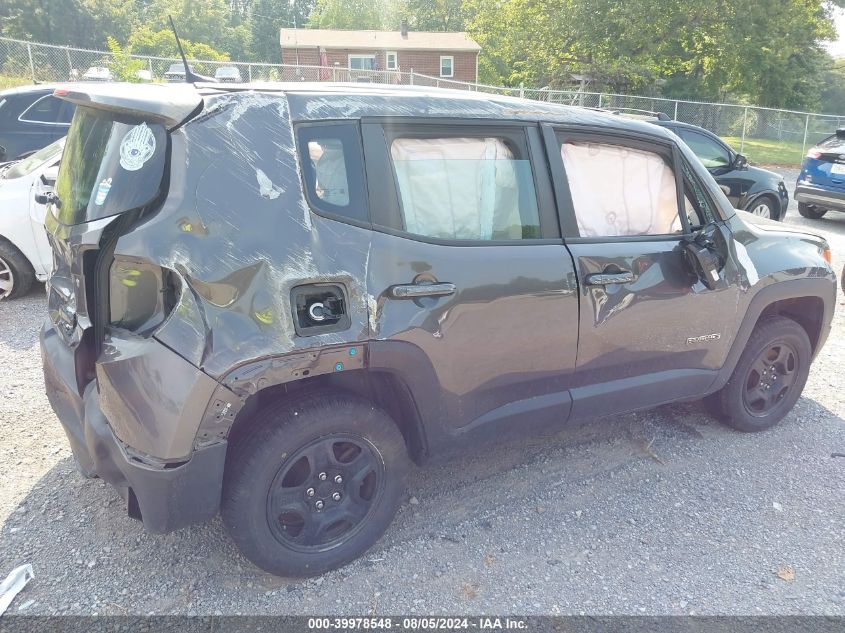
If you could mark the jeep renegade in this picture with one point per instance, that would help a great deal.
(267, 299)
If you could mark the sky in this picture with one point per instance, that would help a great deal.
(837, 48)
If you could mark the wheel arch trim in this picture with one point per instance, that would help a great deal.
(823, 289)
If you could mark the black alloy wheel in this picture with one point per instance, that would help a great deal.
(324, 492)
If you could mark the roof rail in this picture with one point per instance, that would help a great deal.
(660, 116)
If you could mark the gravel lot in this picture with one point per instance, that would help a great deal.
(662, 512)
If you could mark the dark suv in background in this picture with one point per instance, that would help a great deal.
(31, 118)
(758, 191)
(344, 278)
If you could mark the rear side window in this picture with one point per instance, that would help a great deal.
(108, 166)
(620, 191)
(45, 110)
(333, 170)
(465, 188)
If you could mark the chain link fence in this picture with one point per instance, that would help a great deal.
(765, 135)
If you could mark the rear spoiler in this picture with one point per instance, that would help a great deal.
(168, 104)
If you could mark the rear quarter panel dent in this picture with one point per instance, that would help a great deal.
(238, 250)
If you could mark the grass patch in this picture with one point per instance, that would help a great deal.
(7, 81)
(768, 152)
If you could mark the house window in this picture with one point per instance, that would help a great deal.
(447, 66)
(362, 62)
(391, 60)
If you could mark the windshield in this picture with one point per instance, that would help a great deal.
(109, 166)
(32, 162)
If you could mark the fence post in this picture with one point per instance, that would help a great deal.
(31, 63)
(69, 63)
(600, 96)
(804, 144)
(249, 72)
(675, 118)
(744, 124)
(522, 90)
(411, 78)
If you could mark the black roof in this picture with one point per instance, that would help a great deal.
(310, 101)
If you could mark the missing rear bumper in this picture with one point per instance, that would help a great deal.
(165, 496)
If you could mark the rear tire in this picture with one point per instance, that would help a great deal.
(16, 273)
(768, 379)
(810, 211)
(313, 483)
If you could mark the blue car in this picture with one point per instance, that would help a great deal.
(821, 183)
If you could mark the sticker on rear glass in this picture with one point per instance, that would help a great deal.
(137, 147)
(102, 191)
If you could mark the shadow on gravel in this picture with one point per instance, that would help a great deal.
(76, 530)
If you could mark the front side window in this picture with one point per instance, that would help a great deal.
(711, 154)
(447, 63)
(465, 188)
(620, 191)
(699, 209)
(362, 62)
(332, 167)
(45, 110)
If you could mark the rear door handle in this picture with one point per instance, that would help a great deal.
(605, 279)
(414, 291)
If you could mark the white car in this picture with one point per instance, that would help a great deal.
(25, 253)
(97, 73)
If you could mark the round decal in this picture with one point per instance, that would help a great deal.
(137, 147)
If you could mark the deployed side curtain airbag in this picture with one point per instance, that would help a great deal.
(619, 191)
(458, 188)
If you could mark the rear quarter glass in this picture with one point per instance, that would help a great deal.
(109, 166)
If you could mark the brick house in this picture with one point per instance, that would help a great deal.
(365, 55)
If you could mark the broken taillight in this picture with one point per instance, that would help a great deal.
(141, 295)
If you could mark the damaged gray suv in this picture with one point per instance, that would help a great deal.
(268, 300)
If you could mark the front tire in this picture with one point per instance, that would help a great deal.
(811, 212)
(764, 207)
(16, 274)
(768, 379)
(313, 483)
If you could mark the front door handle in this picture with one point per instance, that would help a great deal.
(605, 279)
(415, 291)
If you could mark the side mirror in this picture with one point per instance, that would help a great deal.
(703, 257)
(740, 162)
(47, 197)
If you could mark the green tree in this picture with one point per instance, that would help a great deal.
(267, 17)
(44, 21)
(761, 51)
(832, 97)
(349, 14)
(145, 41)
(435, 15)
(122, 66)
